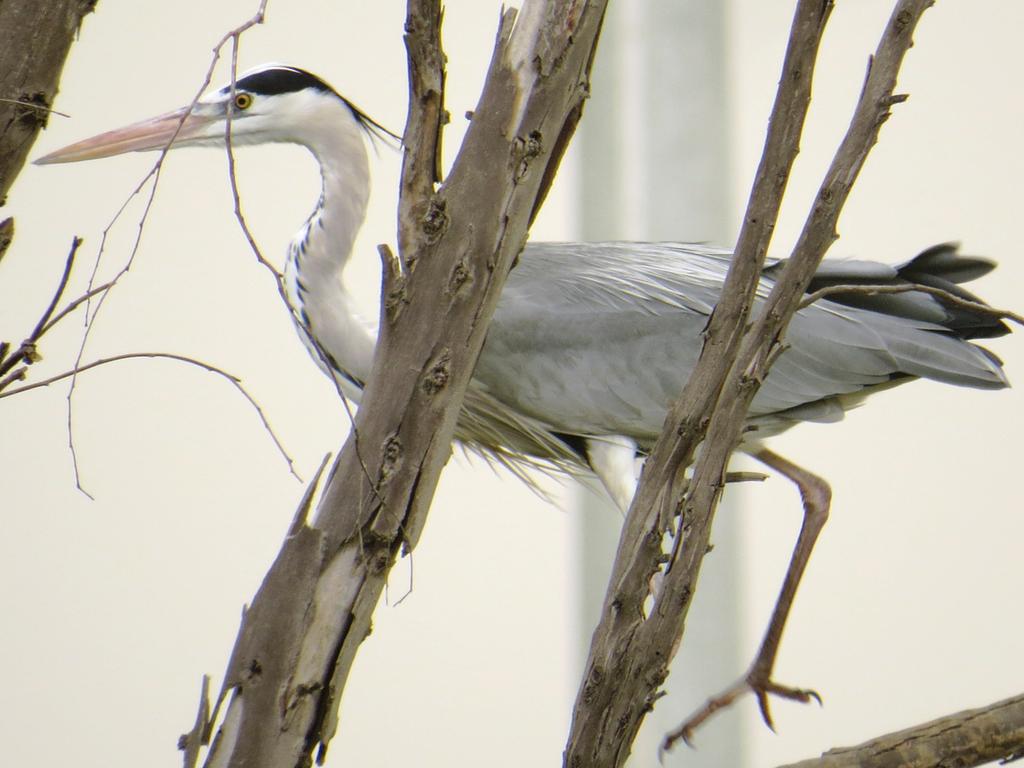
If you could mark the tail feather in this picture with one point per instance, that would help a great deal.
(941, 267)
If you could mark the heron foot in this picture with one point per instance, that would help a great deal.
(754, 682)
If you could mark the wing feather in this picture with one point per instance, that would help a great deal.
(599, 338)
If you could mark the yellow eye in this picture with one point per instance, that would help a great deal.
(243, 100)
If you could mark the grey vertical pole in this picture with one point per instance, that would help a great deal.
(655, 166)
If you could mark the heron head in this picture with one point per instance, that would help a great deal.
(271, 103)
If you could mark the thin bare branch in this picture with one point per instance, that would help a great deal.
(38, 107)
(154, 176)
(939, 293)
(26, 351)
(234, 380)
(68, 264)
(71, 307)
(18, 374)
(236, 197)
(627, 660)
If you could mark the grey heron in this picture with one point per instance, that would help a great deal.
(592, 341)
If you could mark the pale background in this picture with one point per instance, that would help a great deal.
(111, 610)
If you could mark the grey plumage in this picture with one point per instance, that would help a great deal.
(598, 338)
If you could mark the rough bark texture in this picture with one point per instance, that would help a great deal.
(969, 738)
(630, 652)
(35, 38)
(609, 710)
(299, 638)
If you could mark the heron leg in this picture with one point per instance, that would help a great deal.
(816, 496)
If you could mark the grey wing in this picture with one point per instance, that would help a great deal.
(599, 338)
(834, 355)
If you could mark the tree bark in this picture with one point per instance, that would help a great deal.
(969, 738)
(35, 38)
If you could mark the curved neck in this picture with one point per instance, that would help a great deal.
(325, 310)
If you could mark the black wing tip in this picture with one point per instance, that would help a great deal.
(940, 267)
(945, 261)
(943, 266)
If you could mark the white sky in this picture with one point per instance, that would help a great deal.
(111, 610)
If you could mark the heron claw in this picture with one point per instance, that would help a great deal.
(762, 689)
(753, 683)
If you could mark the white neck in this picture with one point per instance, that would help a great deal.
(324, 309)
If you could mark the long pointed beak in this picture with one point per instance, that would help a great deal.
(154, 133)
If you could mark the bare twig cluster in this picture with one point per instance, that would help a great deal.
(14, 365)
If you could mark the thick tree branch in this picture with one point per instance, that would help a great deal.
(34, 42)
(630, 653)
(969, 738)
(300, 636)
(763, 341)
(618, 689)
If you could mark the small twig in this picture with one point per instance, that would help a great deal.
(190, 742)
(37, 107)
(250, 238)
(236, 197)
(745, 477)
(68, 264)
(73, 306)
(234, 380)
(154, 175)
(154, 172)
(16, 375)
(25, 351)
(952, 298)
